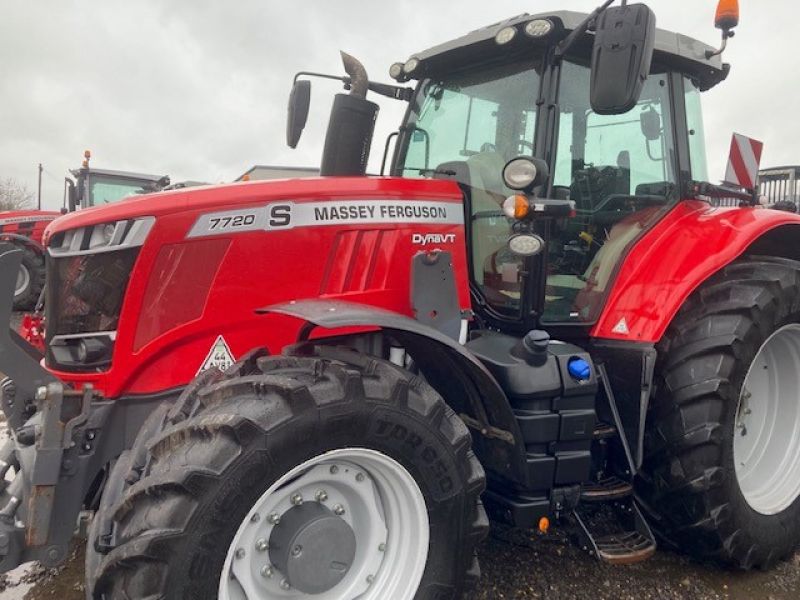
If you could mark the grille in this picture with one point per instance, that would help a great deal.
(85, 292)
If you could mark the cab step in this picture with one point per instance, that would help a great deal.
(609, 488)
(632, 543)
(603, 431)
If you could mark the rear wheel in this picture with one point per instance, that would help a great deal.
(330, 476)
(722, 467)
(30, 279)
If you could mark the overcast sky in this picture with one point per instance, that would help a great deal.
(197, 89)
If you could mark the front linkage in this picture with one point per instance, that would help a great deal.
(55, 445)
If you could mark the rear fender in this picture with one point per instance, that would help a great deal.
(689, 245)
(463, 381)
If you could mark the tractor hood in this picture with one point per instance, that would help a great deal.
(10, 217)
(234, 195)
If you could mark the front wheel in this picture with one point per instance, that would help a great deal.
(331, 476)
(722, 468)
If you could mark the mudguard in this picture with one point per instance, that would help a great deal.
(691, 243)
(462, 379)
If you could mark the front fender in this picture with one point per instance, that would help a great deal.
(463, 381)
(673, 259)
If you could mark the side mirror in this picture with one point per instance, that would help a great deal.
(70, 201)
(299, 101)
(651, 124)
(621, 59)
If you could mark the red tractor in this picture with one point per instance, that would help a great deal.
(319, 387)
(90, 187)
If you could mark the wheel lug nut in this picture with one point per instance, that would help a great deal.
(338, 509)
(274, 518)
(297, 550)
(239, 553)
(285, 584)
(266, 571)
(296, 499)
(321, 495)
(360, 477)
(262, 545)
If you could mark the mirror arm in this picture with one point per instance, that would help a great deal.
(392, 91)
(570, 40)
(345, 80)
(383, 89)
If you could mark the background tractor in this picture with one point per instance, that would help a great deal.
(87, 187)
(539, 315)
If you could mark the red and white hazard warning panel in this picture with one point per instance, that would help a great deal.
(743, 163)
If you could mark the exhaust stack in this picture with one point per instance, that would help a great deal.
(351, 126)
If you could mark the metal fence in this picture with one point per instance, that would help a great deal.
(781, 184)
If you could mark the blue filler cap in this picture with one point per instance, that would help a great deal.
(579, 368)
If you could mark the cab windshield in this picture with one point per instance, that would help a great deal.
(621, 172)
(468, 126)
(105, 190)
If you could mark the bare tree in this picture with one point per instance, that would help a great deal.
(14, 195)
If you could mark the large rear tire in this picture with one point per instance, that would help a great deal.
(721, 476)
(337, 443)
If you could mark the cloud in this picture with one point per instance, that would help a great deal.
(198, 89)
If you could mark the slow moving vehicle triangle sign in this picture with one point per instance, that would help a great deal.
(220, 356)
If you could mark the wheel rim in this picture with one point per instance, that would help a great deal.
(766, 447)
(23, 279)
(372, 493)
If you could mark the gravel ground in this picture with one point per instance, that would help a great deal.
(522, 566)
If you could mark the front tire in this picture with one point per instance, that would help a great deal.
(265, 439)
(713, 491)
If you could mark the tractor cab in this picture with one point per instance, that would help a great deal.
(531, 87)
(95, 187)
(597, 118)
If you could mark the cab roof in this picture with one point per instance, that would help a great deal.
(677, 51)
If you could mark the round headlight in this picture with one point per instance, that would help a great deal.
(411, 65)
(396, 70)
(505, 35)
(538, 28)
(519, 173)
(526, 244)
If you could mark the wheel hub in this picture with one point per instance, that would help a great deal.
(766, 442)
(350, 523)
(313, 547)
(23, 279)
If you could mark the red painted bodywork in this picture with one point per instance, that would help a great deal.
(183, 293)
(27, 223)
(691, 243)
(31, 329)
(169, 320)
